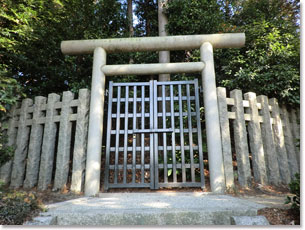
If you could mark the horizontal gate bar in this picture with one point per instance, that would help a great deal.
(153, 131)
(176, 114)
(181, 42)
(147, 166)
(180, 184)
(194, 130)
(147, 69)
(146, 148)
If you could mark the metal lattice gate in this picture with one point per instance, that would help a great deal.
(154, 140)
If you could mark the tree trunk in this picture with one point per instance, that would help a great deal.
(130, 23)
(164, 56)
(130, 18)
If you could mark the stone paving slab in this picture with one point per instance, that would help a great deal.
(165, 208)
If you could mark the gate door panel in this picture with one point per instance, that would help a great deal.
(179, 159)
(154, 135)
(129, 155)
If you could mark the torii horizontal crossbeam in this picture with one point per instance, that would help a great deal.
(184, 42)
(146, 69)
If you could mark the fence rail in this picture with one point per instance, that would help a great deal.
(255, 129)
(50, 138)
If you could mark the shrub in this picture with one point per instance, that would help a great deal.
(294, 189)
(17, 207)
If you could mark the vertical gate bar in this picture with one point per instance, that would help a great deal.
(133, 137)
(189, 118)
(199, 134)
(151, 136)
(164, 135)
(173, 134)
(156, 151)
(181, 134)
(125, 134)
(109, 124)
(142, 134)
(117, 135)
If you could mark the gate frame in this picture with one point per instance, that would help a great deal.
(153, 130)
(100, 70)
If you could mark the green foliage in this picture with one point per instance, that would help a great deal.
(269, 62)
(33, 57)
(10, 93)
(294, 189)
(17, 207)
(268, 65)
(6, 152)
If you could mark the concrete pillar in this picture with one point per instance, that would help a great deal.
(240, 140)
(48, 144)
(19, 162)
(80, 144)
(256, 143)
(64, 142)
(6, 169)
(33, 159)
(289, 144)
(272, 166)
(217, 179)
(95, 133)
(279, 141)
(225, 137)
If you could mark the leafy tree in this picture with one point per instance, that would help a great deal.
(269, 63)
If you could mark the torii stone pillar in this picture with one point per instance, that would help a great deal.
(99, 47)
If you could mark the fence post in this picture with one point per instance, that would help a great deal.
(295, 133)
(19, 162)
(289, 143)
(256, 143)
(268, 142)
(212, 120)
(48, 144)
(95, 133)
(64, 142)
(6, 169)
(225, 137)
(32, 168)
(80, 144)
(280, 142)
(240, 139)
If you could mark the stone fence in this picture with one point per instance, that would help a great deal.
(50, 138)
(263, 134)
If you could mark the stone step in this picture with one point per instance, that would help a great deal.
(156, 208)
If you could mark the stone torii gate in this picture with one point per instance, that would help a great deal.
(100, 48)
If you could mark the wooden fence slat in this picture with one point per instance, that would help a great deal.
(64, 142)
(20, 155)
(271, 160)
(279, 140)
(290, 145)
(32, 168)
(295, 133)
(240, 138)
(48, 144)
(6, 169)
(225, 137)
